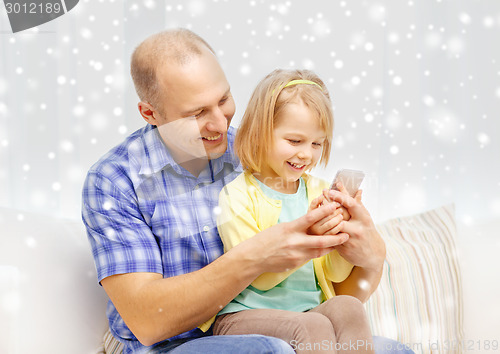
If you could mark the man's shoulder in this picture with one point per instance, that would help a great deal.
(122, 155)
(231, 133)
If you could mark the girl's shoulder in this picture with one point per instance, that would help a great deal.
(243, 185)
(315, 183)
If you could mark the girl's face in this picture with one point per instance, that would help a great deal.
(298, 143)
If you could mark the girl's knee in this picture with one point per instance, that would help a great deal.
(349, 301)
(311, 323)
(343, 307)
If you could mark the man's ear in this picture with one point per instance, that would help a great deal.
(148, 112)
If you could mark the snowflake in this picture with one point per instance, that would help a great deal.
(397, 80)
(394, 150)
(483, 138)
(122, 129)
(117, 111)
(488, 22)
(465, 18)
(79, 110)
(86, 33)
(66, 146)
(245, 69)
(428, 101)
(61, 80)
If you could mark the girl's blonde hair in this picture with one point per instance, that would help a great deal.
(267, 102)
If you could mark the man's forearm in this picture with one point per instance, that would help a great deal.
(155, 308)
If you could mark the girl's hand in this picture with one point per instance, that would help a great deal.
(365, 247)
(330, 224)
(343, 190)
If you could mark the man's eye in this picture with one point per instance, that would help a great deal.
(224, 100)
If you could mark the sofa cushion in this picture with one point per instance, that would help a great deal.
(111, 345)
(419, 299)
(50, 300)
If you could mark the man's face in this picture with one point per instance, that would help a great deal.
(196, 108)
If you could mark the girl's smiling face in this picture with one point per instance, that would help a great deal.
(297, 146)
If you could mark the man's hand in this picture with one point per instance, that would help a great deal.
(288, 245)
(365, 247)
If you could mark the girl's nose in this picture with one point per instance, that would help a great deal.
(304, 154)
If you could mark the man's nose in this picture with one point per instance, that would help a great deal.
(217, 121)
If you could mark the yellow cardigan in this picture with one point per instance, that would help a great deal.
(245, 211)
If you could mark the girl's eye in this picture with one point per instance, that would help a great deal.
(317, 144)
(294, 141)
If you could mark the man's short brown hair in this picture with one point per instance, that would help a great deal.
(176, 46)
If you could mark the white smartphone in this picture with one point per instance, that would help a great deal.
(351, 179)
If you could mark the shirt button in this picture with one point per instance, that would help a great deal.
(206, 228)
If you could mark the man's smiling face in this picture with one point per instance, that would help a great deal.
(196, 108)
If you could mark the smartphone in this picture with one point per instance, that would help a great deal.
(351, 179)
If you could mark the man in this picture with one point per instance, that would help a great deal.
(150, 206)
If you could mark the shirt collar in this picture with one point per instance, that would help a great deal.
(157, 156)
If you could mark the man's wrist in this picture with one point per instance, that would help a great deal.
(246, 261)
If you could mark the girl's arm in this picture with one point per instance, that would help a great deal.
(237, 223)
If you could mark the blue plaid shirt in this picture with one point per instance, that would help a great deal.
(145, 213)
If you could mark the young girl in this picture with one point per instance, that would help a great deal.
(286, 129)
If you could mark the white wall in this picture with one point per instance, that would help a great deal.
(416, 89)
(415, 84)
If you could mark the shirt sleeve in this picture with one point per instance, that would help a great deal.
(336, 268)
(121, 240)
(236, 221)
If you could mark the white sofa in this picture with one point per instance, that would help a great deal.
(50, 301)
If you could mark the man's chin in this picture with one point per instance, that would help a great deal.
(217, 152)
(215, 155)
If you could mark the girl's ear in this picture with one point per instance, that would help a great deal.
(147, 112)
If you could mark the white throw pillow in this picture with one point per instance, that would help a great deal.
(419, 299)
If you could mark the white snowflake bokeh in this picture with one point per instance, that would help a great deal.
(406, 89)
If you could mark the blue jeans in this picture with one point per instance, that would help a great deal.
(252, 343)
(385, 345)
(245, 344)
